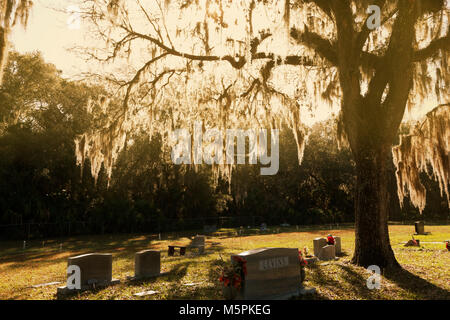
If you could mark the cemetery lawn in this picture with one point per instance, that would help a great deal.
(426, 273)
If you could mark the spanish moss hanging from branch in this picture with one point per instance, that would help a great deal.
(427, 145)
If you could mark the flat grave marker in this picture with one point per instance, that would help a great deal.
(145, 293)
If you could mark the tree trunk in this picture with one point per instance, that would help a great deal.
(372, 246)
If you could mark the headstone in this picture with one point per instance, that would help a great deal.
(319, 243)
(272, 273)
(337, 244)
(95, 267)
(209, 228)
(420, 227)
(147, 263)
(327, 253)
(263, 227)
(198, 241)
(95, 270)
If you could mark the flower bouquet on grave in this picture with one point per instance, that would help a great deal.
(302, 263)
(447, 245)
(232, 276)
(306, 253)
(330, 240)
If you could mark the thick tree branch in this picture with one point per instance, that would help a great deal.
(236, 63)
(371, 61)
(442, 43)
(314, 41)
(324, 5)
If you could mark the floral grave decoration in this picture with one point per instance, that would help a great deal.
(233, 274)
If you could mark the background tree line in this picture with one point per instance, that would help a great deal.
(41, 113)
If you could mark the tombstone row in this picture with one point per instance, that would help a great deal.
(325, 251)
(271, 273)
(95, 269)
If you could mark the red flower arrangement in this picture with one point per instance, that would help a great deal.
(233, 275)
(303, 262)
(447, 245)
(330, 239)
(243, 264)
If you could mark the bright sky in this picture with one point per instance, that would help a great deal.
(53, 32)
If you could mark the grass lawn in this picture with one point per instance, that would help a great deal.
(426, 273)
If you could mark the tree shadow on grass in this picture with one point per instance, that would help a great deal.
(342, 254)
(417, 285)
(352, 283)
(180, 291)
(208, 289)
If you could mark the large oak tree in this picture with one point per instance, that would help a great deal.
(257, 63)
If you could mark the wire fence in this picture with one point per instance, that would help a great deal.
(31, 231)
